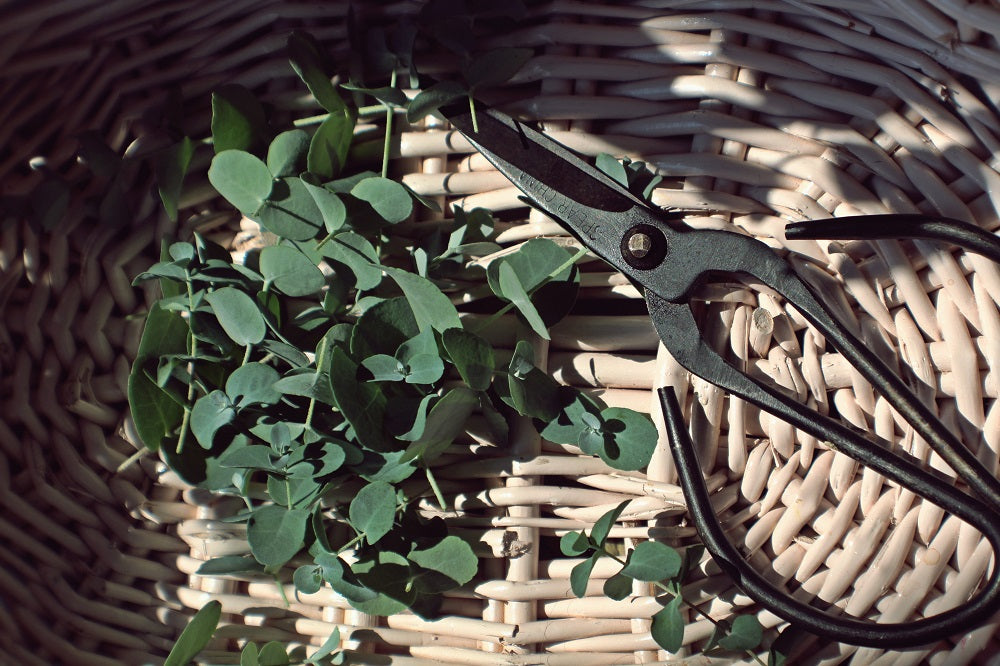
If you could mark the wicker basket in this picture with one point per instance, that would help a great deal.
(755, 112)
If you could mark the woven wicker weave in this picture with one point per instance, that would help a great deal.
(755, 112)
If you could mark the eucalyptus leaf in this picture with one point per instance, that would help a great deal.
(602, 526)
(472, 356)
(495, 67)
(276, 533)
(330, 206)
(237, 119)
(424, 369)
(542, 270)
(307, 60)
(389, 199)
(574, 543)
(210, 413)
(361, 403)
(373, 510)
(618, 587)
(745, 633)
(287, 152)
(512, 289)
(445, 422)
(452, 557)
(612, 167)
(385, 368)
(652, 561)
(383, 329)
(306, 382)
(155, 414)
(330, 144)
(393, 97)
(328, 646)
(238, 315)
(253, 383)
(579, 575)
(290, 271)
(243, 179)
(629, 438)
(357, 254)
(290, 212)
(196, 635)
(255, 456)
(433, 98)
(229, 565)
(273, 654)
(170, 166)
(668, 626)
(431, 308)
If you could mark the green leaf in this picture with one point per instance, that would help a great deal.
(307, 60)
(155, 414)
(171, 165)
(652, 561)
(568, 426)
(383, 328)
(228, 565)
(618, 587)
(238, 315)
(290, 271)
(445, 422)
(196, 635)
(388, 96)
(472, 355)
(610, 165)
(329, 645)
(276, 534)
(745, 633)
(412, 414)
(495, 67)
(431, 308)
(433, 98)
(253, 384)
(273, 654)
(389, 199)
(384, 368)
(308, 579)
(357, 254)
(532, 392)
(242, 179)
(544, 271)
(237, 119)
(361, 403)
(424, 369)
(629, 438)
(290, 211)
(286, 154)
(668, 626)
(330, 144)
(373, 510)
(255, 456)
(293, 490)
(574, 543)
(602, 526)
(307, 383)
(343, 581)
(330, 206)
(211, 412)
(452, 557)
(579, 576)
(512, 289)
(249, 655)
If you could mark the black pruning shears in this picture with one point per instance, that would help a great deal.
(667, 260)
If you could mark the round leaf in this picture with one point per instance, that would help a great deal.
(431, 308)
(330, 206)
(237, 119)
(291, 272)
(358, 255)
(238, 315)
(744, 634)
(253, 383)
(573, 543)
(389, 199)
(211, 412)
(373, 510)
(276, 534)
(290, 211)
(629, 438)
(286, 155)
(308, 579)
(424, 369)
(451, 556)
(668, 626)
(618, 587)
(384, 368)
(652, 561)
(242, 179)
(579, 576)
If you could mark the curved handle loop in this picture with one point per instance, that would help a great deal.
(839, 628)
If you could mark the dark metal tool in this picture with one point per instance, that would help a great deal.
(667, 260)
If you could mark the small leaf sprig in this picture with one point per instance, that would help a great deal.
(664, 567)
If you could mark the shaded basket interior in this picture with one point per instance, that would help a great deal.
(754, 116)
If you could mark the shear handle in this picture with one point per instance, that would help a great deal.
(728, 253)
(839, 628)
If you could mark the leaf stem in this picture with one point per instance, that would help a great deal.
(472, 110)
(131, 460)
(386, 144)
(435, 488)
(193, 353)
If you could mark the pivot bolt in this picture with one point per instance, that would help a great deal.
(644, 247)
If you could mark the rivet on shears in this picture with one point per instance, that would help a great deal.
(644, 246)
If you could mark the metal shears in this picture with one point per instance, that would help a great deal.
(667, 260)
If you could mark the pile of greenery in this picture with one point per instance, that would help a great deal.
(321, 378)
